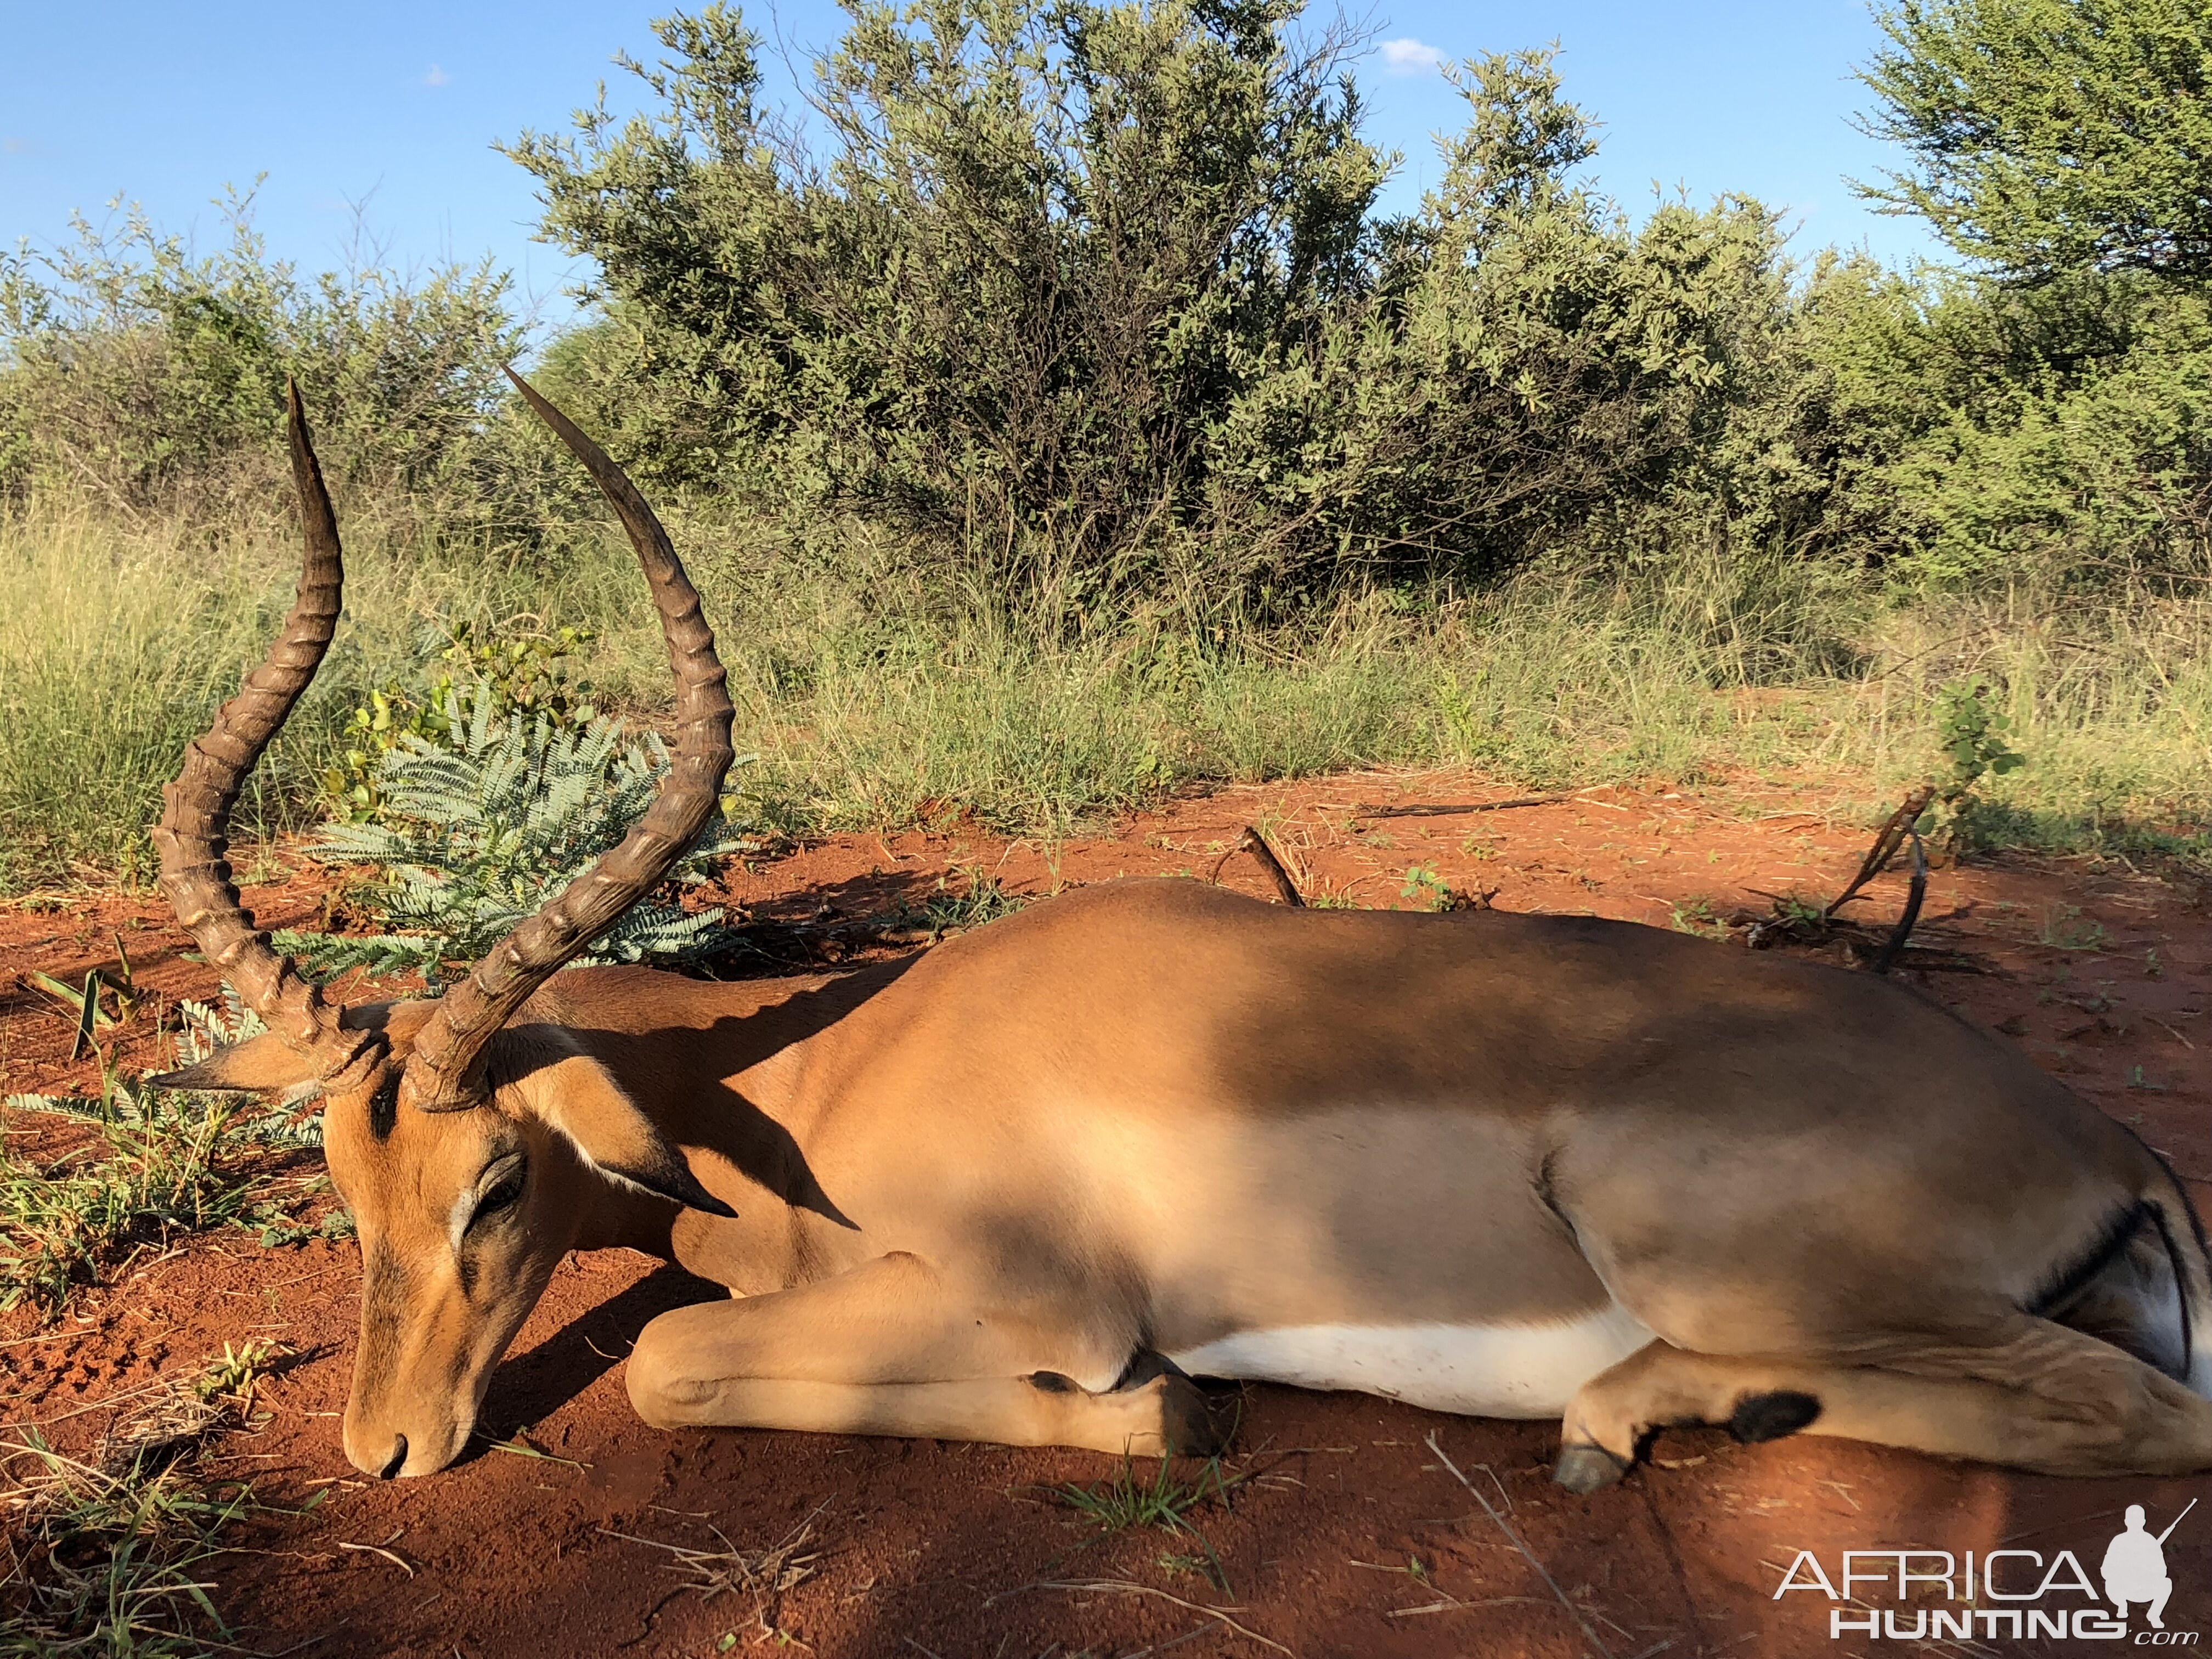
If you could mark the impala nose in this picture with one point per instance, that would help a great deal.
(397, 1461)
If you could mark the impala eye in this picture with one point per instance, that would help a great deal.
(502, 1195)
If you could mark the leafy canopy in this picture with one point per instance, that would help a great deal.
(2053, 135)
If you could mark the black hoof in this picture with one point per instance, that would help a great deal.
(1770, 1416)
(1585, 1469)
(1196, 1426)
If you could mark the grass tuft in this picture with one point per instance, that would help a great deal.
(110, 1558)
(1163, 1503)
(158, 1163)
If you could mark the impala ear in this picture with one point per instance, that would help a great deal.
(264, 1065)
(579, 1098)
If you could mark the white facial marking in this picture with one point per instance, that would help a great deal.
(1478, 1371)
(456, 1223)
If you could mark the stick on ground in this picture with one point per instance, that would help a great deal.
(1469, 806)
(1514, 1538)
(1253, 842)
(1885, 847)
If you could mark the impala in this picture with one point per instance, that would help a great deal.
(1023, 1188)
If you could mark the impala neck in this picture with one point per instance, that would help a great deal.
(719, 1068)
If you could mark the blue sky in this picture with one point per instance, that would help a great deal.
(394, 109)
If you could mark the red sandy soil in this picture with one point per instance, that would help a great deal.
(963, 1552)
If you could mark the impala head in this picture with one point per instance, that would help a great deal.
(467, 1149)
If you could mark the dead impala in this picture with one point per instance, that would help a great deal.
(1019, 1189)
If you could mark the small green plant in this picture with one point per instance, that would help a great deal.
(527, 674)
(981, 901)
(1431, 891)
(1972, 736)
(1165, 1504)
(113, 1552)
(234, 1374)
(1796, 910)
(278, 1229)
(1697, 915)
(478, 831)
(2063, 929)
(1792, 917)
(1428, 889)
(88, 1004)
(161, 1163)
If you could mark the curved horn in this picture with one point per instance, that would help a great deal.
(441, 1073)
(191, 837)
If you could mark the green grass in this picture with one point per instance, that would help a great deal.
(877, 700)
(1162, 1503)
(140, 1181)
(108, 1553)
(158, 1163)
(112, 1561)
(117, 642)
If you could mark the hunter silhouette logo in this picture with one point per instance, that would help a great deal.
(2020, 1594)
(2135, 1566)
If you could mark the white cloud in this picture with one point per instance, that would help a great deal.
(436, 77)
(1411, 56)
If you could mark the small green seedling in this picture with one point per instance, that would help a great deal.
(2063, 929)
(234, 1375)
(1697, 915)
(1428, 889)
(1972, 736)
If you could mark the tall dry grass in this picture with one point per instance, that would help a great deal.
(872, 698)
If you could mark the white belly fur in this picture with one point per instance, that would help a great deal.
(1479, 1371)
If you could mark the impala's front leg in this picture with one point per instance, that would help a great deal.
(885, 1349)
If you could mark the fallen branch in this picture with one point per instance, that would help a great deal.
(1253, 842)
(1514, 1538)
(1471, 807)
(1886, 845)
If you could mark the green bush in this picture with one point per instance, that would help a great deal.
(1090, 302)
(479, 827)
(2052, 136)
(133, 369)
(527, 674)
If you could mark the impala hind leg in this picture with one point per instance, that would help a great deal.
(886, 1349)
(2036, 1396)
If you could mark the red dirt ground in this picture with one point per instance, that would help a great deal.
(2096, 969)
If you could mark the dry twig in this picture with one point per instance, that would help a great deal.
(762, 1575)
(1506, 1527)
(1253, 842)
(1125, 1587)
(1444, 812)
(1886, 845)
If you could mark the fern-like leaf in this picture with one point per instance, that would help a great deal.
(481, 830)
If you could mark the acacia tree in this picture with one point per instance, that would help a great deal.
(2048, 136)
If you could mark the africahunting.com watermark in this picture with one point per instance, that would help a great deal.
(1894, 1594)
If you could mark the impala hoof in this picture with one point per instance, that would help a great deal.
(1189, 1423)
(1585, 1469)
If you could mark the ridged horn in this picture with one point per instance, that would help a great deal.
(192, 837)
(443, 1074)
